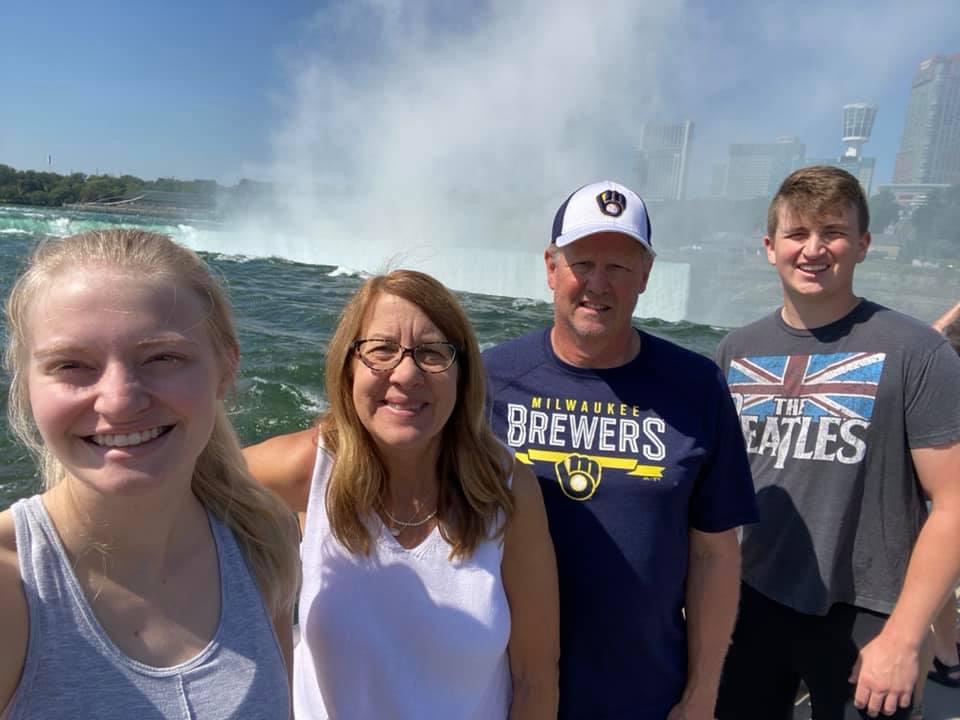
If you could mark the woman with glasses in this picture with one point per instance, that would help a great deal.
(429, 581)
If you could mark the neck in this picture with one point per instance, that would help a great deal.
(412, 483)
(811, 315)
(133, 535)
(595, 352)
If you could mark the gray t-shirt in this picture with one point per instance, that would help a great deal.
(829, 417)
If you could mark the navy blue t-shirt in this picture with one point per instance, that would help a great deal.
(629, 459)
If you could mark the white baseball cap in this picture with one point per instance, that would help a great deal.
(602, 207)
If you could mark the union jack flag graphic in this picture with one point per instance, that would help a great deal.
(838, 385)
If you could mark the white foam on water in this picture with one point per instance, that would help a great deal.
(343, 272)
(238, 259)
(60, 226)
(490, 271)
(519, 303)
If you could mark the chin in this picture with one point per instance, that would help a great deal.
(406, 442)
(592, 330)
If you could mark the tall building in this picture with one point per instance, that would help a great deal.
(718, 180)
(757, 169)
(857, 125)
(930, 145)
(664, 158)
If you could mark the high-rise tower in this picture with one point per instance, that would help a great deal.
(757, 169)
(857, 125)
(930, 145)
(664, 158)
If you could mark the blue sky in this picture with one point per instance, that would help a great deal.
(224, 90)
(173, 88)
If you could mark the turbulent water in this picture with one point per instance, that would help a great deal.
(285, 313)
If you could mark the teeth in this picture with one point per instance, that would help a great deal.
(404, 408)
(129, 439)
(813, 268)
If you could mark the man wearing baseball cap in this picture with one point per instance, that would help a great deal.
(645, 477)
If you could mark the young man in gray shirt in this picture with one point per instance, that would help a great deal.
(851, 414)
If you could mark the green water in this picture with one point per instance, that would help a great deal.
(285, 314)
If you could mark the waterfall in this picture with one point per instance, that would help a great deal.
(474, 269)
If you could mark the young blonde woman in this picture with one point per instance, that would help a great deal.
(153, 578)
(430, 586)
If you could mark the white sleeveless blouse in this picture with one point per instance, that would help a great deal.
(399, 633)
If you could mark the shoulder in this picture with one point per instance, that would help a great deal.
(904, 339)
(13, 611)
(748, 332)
(680, 368)
(886, 321)
(285, 463)
(516, 356)
(528, 524)
(667, 351)
(9, 566)
(293, 451)
(8, 549)
(525, 487)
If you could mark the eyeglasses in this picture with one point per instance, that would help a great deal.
(383, 355)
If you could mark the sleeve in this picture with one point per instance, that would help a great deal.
(932, 412)
(720, 355)
(724, 496)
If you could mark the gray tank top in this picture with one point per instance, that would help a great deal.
(74, 670)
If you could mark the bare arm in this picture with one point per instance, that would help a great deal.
(283, 626)
(950, 316)
(888, 665)
(284, 464)
(13, 613)
(713, 587)
(530, 579)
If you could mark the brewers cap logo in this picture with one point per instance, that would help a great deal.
(611, 203)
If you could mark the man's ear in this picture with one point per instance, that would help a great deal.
(550, 261)
(865, 241)
(768, 246)
(645, 270)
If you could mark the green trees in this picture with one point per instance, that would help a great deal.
(30, 187)
(884, 211)
(937, 226)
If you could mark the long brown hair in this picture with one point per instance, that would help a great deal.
(474, 501)
(263, 527)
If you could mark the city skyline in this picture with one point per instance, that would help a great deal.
(310, 91)
(930, 144)
(664, 160)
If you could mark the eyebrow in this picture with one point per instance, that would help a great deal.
(66, 348)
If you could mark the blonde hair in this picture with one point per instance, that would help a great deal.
(264, 528)
(474, 501)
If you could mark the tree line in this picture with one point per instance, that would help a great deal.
(49, 189)
(929, 232)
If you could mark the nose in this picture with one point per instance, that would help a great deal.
(598, 281)
(120, 392)
(407, 372)
(813, 245)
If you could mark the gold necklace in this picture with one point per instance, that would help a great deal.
(401, 525)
